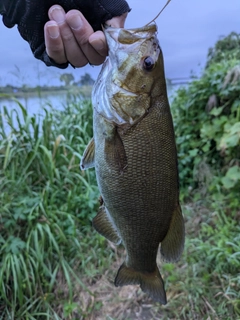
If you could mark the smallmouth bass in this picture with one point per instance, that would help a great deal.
(134, 154)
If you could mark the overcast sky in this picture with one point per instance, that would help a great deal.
(186, 29)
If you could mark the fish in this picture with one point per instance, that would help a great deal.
(134, 154)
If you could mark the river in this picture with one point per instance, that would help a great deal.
(35, 104)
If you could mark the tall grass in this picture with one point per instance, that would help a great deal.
(46, 206)
(206, 282)
(48, 247)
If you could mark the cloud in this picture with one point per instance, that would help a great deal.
(186, 30)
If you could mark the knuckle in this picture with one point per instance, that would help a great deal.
(56, 49)
(57, 53)
(67, 36)
(83, 36)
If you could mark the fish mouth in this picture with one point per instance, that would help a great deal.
(128, 36)
(147, 28)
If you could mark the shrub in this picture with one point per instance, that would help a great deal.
(207, 124)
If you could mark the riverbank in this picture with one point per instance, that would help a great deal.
(42, 92)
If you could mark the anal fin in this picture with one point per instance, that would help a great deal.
(150, 283)
(173, 244)
(88, 156)
(103, 225)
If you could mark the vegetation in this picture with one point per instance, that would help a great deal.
(207, 126)
(225, 48)
(53, 265)
(46, 207)
(67, 78)
(207, 122)
(86, 80)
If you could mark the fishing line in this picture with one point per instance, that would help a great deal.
(158, 13)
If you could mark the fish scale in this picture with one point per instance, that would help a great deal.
(134, 155)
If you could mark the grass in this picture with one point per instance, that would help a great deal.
(204, 284)
(54, 266)
(46, 208)
(206, 281)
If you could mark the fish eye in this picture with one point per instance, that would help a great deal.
(148, 63)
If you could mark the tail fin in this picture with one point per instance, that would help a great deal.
(151, 283)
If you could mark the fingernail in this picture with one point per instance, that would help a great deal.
(75, 22)
(57, 14)
(53, 31)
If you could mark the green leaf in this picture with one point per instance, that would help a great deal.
(228, 141)
(193, 152)
(16, 245)
(233, 173)
(231, 178)
(235, 129)
(216, 111)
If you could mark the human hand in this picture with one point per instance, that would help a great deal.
(70, 38)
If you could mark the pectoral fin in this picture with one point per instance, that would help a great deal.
(173, 244)
(103, 225)
(115, 154)
(88, 156)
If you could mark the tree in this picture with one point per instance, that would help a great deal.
(67, 78)
(86, 80)
(225, 48)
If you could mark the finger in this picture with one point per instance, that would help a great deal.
(73, 51)
(82, 31)
(53, 42)
(98, 41)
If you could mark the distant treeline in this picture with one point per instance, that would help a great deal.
(25, 91)
(66, 78)
(9, 89)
